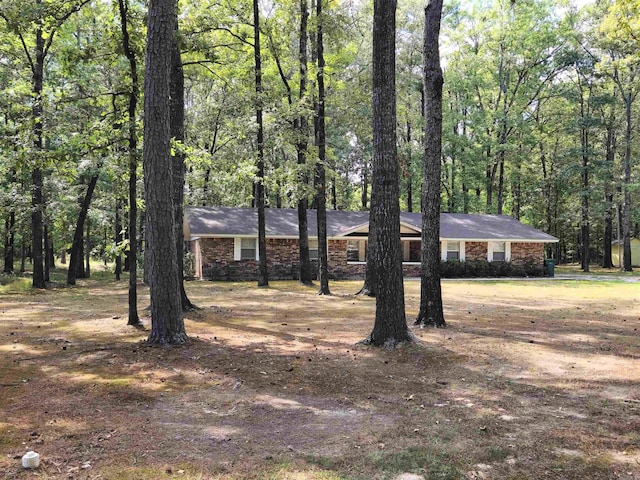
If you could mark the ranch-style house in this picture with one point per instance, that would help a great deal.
(224, 241)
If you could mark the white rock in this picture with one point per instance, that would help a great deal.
(31, 460)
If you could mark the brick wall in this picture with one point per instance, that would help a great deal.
(283, 259)
(475, 251)
(522, 253)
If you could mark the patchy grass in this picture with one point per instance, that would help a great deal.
(531, 379)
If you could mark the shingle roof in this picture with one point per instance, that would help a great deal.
(283, 222)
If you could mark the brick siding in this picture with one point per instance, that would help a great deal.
(475, 251)
(522, 253)
(283, 259)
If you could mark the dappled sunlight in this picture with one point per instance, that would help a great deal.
(280, 403)
(275, 372)
(19, 348)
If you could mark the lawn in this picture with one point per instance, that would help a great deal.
(531, 380)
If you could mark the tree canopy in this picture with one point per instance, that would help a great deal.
(539, 115)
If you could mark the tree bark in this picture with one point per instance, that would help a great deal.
(76, 246)
(263, 274)
(179, 168)
(23, 256)
(320, 177)
(626, 211)
(431, 313)
(118, 238)
(132, 319)
(390, 327)
(306, 275)
(610, 148)
(167, 324)
(9, 242)
(409, 175)
(47, 264)
(37, 200)
(87, 251)
(584, 224)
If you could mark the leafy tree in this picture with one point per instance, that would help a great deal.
(36, 25)
(620, 61)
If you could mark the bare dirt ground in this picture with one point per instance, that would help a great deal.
(531, 380)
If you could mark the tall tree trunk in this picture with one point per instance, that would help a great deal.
(23, 256)
(489, 180)
(118, 238)
(500, 199)
(306, 275)
(463, 173)
(320, 177)
(610, 148)
(390, 327)
(37, 200)
(365, 185)
(179, 168)
(47, 264)
(409, 175)
(167, 324)
(431, 312)
(132, 311)
(9, 242)
(88, 249)
(584, 222)
(263, 274)
(76, 246)
(626, 212)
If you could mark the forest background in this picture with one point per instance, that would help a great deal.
(539, 115)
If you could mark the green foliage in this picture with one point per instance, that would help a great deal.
(523, 82)
(418, 460)
(485, 269)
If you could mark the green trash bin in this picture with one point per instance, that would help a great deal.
(550, 264)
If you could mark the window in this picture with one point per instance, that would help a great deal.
(313, 249)
(415, 251)
(499, 251)
(453, 250)
(356, 250)
(411, 251)
(248, 249)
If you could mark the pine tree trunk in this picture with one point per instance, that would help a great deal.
(47, 265)
(23, 256)
(9, 243)
(409, 175)
(306, 275)
(118, 239)
(178, 162)
(88, 250)
(37, 200)
(167, 324)
(76, 246)
(390, 327)
(626, 212)
(320, 177)
(610, 148)
(263, 274)
(431, 313)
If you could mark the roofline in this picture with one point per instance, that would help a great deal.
(354, 229)
(342, 237)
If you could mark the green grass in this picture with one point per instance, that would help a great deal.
(14, 284)
(416, 460)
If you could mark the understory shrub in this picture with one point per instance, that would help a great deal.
(482, 268)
